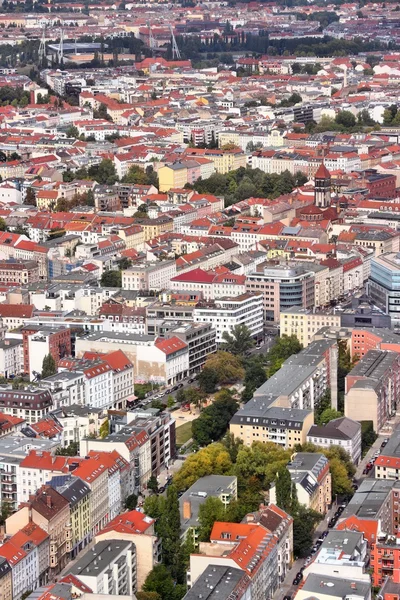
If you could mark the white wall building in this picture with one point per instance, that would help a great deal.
(226, 313)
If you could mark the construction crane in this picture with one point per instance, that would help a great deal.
(175, 50)
(42, 47)
(60, 52)
(152, 42)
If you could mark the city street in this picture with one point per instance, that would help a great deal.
(288, 589)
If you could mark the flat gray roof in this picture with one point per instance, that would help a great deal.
(336, 587)
(99, 558)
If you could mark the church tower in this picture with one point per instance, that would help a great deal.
(322, 187)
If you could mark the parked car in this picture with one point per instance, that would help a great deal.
(332, 523)
(297, 579)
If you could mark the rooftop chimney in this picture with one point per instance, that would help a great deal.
(48, 501)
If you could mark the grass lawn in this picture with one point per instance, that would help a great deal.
(183, 433)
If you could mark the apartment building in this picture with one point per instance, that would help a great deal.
(108, 568)
(258, 422)
(333, 588)
(39, 341)
(40, 344)
(372, 388)
(385, 560)
(250, 547)
(22, 272)
(223, 487)
(383, 283)
(5, 579)
(304, 323)
(387, 465)
(282, 287)
(98, 380)
(342, 432)
(150, 276)
(227, 582)
(153, 359)
(77, 493)
(11, 361)
(226, 313)
(135, 527)
(200, 339)
(342, 554)
(311, 475)
(15, 315)
(122, 375)
(95, 474)
(363, 340)
(78, 422)
(51, 512)
(24, 561)
(134, 446)
(30, 404)
(373, 510)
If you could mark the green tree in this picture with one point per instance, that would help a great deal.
(159, 580)
(5, 511)
(232, 444)
(136, 175)
(169, 528)
(261, 461)
(124, 263)
(111, 279)
(228, 368)
(239, 341)
(212, 460)
(104, 173)
(104, 429)
(255, 376)
(170, 401)
(368, 435)
(131, 502)
(213, 422)
(286, 496)
(210, 511)
(283, 348)
(345, 118)
(304, 523)
(72, 132)
(328, 415)
(152, 484)
(208, 380)
(49, 366)
(3, 225)
(71, 450)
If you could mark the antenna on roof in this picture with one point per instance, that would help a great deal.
(175, 50)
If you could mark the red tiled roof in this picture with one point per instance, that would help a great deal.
(129, 522)
(171, 345)
(17, 310)
(195, 276)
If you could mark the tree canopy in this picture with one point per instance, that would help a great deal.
(214, 420)
(212, 460)
(239, 341)
(283, 348)
(226, 367)
(49, 366)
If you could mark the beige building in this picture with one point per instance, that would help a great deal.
(154, 227)
(136, 527)
(284, 426)
(133, 237)
(303, 323)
